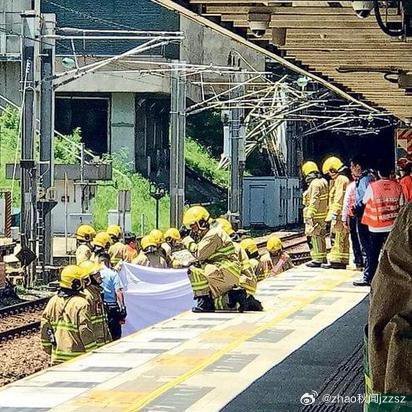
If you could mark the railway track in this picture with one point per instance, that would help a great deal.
(21, 319)
(28, 306)
(19, 331)
(294, 244)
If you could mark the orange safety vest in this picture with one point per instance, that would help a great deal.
(406, 183)
(383, 207)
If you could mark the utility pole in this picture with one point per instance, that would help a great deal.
(177, 146)
(237, 153)
(28, 212)
(47, 135)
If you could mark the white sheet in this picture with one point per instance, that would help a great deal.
(153, 295)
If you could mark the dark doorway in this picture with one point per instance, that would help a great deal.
(90, 114)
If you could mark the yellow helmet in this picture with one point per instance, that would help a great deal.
(274, 244)
(102, 239)
(157, 236)
(89, 268)
(148, 241)
(194, 215)
(225, 225)
(114, 231)
(331, 164)
(249, 245)
(71, 277)
(85, 232)
(172, 234)
(309, 167)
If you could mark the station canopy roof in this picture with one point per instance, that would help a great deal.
(350, 54)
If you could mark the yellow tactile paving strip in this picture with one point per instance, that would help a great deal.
(197, 359)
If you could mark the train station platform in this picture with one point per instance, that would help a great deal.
(312, 322)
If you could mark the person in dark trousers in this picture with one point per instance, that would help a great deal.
(383, 200)
(363, 177)
(112, 296)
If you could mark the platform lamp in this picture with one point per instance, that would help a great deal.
(157, 191)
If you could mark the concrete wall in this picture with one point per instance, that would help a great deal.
(204, 46)
(123, 115)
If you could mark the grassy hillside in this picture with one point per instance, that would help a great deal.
(202, 161)
(106, 197)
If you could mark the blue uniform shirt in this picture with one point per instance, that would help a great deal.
(361, 186)
(111, 283)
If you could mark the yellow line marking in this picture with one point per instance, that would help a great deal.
(330, 285)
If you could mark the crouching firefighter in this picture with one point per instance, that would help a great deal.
(66, 325)
(216, 276)
(248, 280)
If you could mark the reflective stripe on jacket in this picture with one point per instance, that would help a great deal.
(336, 196)
(383, 207)
(217, 248)
(68, 319)
(97, 315)
(317, 199)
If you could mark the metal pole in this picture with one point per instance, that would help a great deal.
(28, 170)
(157, 213)
(177, 146)
(47, 128)
(237, 150)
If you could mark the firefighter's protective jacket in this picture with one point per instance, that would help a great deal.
(390, 313)
(118, 253)
(67, 328)
(217, 248)
(93, 295)
(317, 198)
(336, 197)
(151, 259)
(248, 279)
(273, 265)
(83, 253)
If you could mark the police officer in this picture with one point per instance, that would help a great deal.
(84, 236)
(150, 255)
(93, 294)
(117, 250)
(218, 269)
(339, 255)
(315, 212)
(66, 325)
(113, 297)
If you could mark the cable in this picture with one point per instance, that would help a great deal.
(383, 26)
(89, 16)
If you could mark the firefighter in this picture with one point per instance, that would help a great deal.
(216, 275)
(66, 324)
(101, 244)
(84, 236)
(159, 238)
(93, 294)
(172, 243)
(150, 255)
(252, 253)
(248, 279)
(131, 248)
(339, 255)
(276, 260)
(117, 250)
(315, 213)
